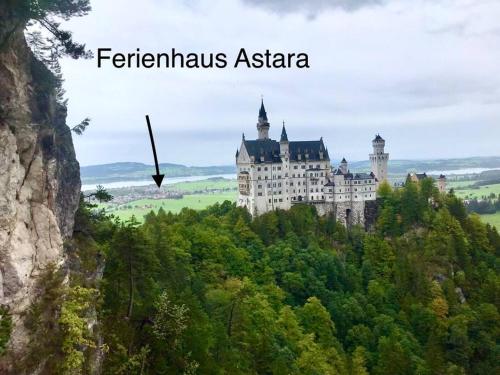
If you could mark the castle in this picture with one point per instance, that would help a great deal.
(278, 174)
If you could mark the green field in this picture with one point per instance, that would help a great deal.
(493, 219)
(141, 207)
(208, 184)
(485, 190)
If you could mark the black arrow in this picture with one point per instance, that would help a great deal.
(157, 177)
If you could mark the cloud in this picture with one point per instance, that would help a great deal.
(378, 69)
(312, 7)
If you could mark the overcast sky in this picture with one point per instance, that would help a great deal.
(423, 74)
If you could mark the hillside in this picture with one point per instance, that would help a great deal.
(404, 166)
(217, 292)
(129, 171)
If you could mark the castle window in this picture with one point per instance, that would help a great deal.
(259, 186)
(295, 167)
(265, 177)
(291, 183)
(268, 185)
(317, 166)
(265, 168)
(269, 201)
(281, 200)
(279, 184)
(303, 167)
(258, 168)
(259, 177)
(279, 168)
(322, 197)
(259, 194)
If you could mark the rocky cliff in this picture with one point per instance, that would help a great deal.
(39, 175)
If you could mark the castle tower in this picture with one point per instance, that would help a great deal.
(441, 183)
(343, 166)
(262, 124)
(379, 159)
(284, 144)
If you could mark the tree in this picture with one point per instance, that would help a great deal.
(46, 14)
(74, 327)
(358, 366)
(170, 320)
(316, 319)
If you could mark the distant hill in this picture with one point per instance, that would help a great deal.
(129, 171)
(404, 166)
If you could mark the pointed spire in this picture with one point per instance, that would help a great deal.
(284, 136)
(262, 112)
(237, 153)
(242, 136)
(344, 161)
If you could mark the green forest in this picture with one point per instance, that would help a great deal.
(215, 292)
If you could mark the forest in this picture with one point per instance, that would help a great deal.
(217, 292)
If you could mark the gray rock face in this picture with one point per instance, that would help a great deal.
(39, 175)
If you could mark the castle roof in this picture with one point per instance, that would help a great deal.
(284, 136)
(311, 148)
(355, 176)
(378, 138)
(418, 176)
(262, 112)
(269, 149)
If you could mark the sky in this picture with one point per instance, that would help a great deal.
(424, 74)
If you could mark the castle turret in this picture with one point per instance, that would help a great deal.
(262, 123)
(441, 183)
(343, 166)
(379, 159)
(284, 144)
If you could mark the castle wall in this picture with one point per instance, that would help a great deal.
(350, 213)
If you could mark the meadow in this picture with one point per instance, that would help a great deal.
(482, 191)
(493, 219)
(203, 185)
(141, 207)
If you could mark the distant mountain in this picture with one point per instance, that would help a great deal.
(130, 171)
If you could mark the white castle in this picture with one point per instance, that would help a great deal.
(274, 175)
